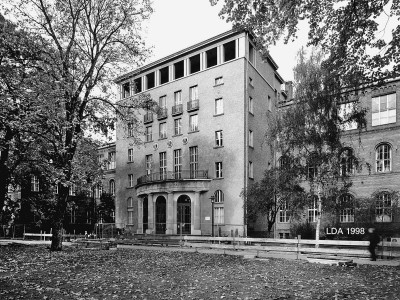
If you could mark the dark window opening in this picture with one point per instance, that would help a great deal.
(164, 75)
(229, 51)
(251, 53)
(138, 85)
(194, 63)
(126, 90)
(211, 57)
(150, 80)
(178, 70)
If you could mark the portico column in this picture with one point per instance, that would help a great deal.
(170, 213)
(150, 204)
(196, 214)
(140, 215)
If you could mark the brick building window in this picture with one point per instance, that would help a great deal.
(218, 169)
(383, 207)
(346, 162)
(130, 155)
(384, 109)
(193, 123)
(149, 134)
(346, 205)
(178, 126)
(112, 187)
(218, 139)
(284, 213)
(130, 210)
(383, 158)
(35, 183)
(219, 106)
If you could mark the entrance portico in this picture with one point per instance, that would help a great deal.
(178, 199)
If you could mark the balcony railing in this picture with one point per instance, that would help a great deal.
(162, 113)
(172, 176)
(148, 117)
(177, 109)
(193, 105)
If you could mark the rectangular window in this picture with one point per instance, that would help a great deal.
(178, 98)
(219, 80)
(211, 57)
(150, 80)
(251, 53)
(384, 109)
(130, 155)
(251, 142)
(219, 215)
(126, 90)
(130, 180)
(163, 130)
(218, 169)
(193, 123)
(163, 165)
(149, 134)
(194, 64)
(162, 102)
(251, 108)
(269, 103)
(219, 106)
(111, 160)
(149, 164)
(72, 190)
(164, 75)
(312, 211)
(193, 93)
(131, 130)
(284, 214)
(218, 139)
(178, 126)
(178, 69)
(229, 50)
(251, 171)
(345, 110)
(137, 85)
(177, 163)
(35, 183)
(194, 161)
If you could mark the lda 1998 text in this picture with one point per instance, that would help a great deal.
(339, 230)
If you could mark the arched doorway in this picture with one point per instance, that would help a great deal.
(161, 215)
(184, 216)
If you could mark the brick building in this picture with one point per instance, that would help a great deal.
(205, 144)
(373, 198)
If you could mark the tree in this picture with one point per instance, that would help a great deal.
(279, 189)
(310, 130)
(90, 41)
(349, 30)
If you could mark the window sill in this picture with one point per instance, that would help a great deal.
(251, 147)
(130, 162)
(193, 131)
(217, 147)
(130, 187)
(218, 178)
(218, 84)
(147, 142)
(177, 135)
(250, 113)
(160, 139)
(217, 115)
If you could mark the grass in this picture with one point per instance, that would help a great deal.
(30, 272)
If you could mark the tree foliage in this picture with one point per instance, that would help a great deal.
(84, 44)
(355, 32)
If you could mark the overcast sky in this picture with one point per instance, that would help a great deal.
(177, 24)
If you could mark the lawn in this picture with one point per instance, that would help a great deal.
(29, 272)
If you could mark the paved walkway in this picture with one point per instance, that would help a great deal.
(245, 254)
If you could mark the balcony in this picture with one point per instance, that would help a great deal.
(177, 109)
(162, 113)
(193, 105)
(148, 118)
(173, 176)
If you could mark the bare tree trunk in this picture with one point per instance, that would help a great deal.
(319, 210)
(56, 238)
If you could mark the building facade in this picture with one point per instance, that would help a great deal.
(205, 144)
(373, 198)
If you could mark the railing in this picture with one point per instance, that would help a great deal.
(148, 117)
(182, 175)
(162, 113)
(177, 109)
(193, 105)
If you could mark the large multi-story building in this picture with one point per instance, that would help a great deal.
(373, 199)
(205, 144)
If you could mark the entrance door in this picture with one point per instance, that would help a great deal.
(184, 215)
(145, 214)
(161, 215)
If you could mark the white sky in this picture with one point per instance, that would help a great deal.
(177, 24)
